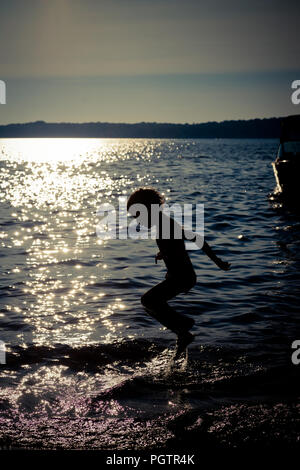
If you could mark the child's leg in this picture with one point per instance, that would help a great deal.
(155, 301)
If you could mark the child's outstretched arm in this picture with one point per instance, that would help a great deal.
(209, 252)
(202, 244)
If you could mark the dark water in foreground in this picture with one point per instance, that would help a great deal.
(86, 366)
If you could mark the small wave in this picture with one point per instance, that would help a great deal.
(64, 262)
(133, 351)
(246, 318)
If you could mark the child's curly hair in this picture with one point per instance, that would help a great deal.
(146, 196)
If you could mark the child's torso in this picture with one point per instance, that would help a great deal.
(176, 257)
(174, 254)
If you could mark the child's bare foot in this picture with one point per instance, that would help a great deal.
(183, 340)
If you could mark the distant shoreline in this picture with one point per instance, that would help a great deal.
(238, 129)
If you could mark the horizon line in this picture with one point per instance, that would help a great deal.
(40, 121)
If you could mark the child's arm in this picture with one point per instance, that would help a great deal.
(202, 244)
(209, 252)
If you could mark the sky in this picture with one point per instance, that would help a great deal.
(148, 60)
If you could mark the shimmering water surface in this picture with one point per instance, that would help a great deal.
(86, 366)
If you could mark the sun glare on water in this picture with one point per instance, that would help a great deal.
(50, 150)
(50, 190)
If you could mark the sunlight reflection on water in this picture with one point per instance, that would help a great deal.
(69, 286)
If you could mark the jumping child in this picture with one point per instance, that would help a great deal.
(180, 277)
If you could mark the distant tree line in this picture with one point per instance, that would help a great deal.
(242, 129)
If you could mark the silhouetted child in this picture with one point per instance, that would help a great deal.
(180, 277)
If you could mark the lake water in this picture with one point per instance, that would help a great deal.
(86, 366)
